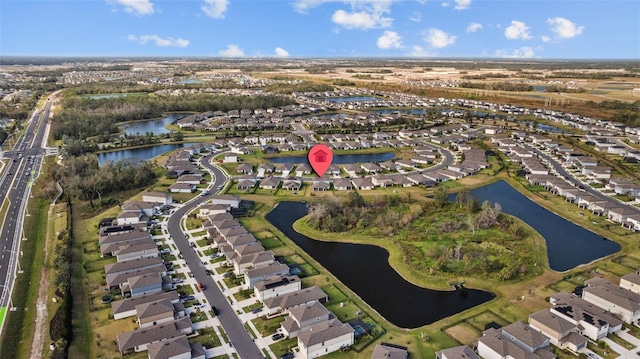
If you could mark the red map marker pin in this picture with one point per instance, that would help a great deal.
(320, 157)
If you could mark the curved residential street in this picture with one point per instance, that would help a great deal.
(237, 333)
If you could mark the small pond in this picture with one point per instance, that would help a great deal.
(366, 270)
(155, 126)
(568, 245)
(139, 154)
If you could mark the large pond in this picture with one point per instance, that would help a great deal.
(352, 99)
(155, 126)
(366, 270)
(139, 154)
(568, 245)
(339, 159)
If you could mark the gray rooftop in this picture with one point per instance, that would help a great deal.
(128, 304)
(324, 331)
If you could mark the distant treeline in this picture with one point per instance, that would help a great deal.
(627, 113)
(499, 86)
(557, 88)
(83, 117)
(485, 76)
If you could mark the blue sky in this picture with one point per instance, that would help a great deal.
(572, 29)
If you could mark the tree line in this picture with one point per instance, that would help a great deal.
(85, 117)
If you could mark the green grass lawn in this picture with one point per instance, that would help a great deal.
(207, 337)
(267, 326)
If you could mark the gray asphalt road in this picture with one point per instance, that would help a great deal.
(238, 335)
(26, 157)
(569, 177)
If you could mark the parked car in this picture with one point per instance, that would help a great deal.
(188, 298)
(207, 271)
(202, 286)
(277, 336)
(287, 356)
(257, 310)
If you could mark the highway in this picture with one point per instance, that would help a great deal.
(23, 164)
(237, 333)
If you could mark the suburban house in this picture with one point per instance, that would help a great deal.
(132, 265)
(461, 352)
(245, 168)
(112, 243)
(561, 332)
(158, 312)
(342, 184)
(252, 276)
(230, 158)
(144, 249)
(302, 317)
(285, 302)
(270, 183)
(182, 188)
(292, 184)
(608, 296)
(362, 184)
(324, 338)
(252, 260)
(125, 218)
(127, 307)
(595, 322)
(226, 199)
(276, 286)
(190, 179)
(176, 348)
(162, 198)
(517, 340)
(631, 281)
(144, 284)
(138, 340)
(149, 209)
(121, 280)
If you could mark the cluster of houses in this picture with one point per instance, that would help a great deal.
(318, 331)
(141, 276)
(538, 174)
(600, 308)
(365, 176)
(188, 174)
(245, 119)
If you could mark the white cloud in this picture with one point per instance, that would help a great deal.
(363, 14)
(280, 52)
(521, 53)
(545, 38)
(360, 20)
(135, 7)
(473, 27)
(445, 4)
(418, 51)
(390, 40)
(231, 51)
(517, 30)
(159, 41)
(215, 9)
(303, 6)
(416, 16)
(462, 4)
(565, 29)
(439, 39)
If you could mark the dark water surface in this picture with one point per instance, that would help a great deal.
(366, 270)
(568, 245)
